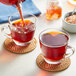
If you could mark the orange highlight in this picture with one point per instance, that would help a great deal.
(19, 23)
(74, 0)
(54, 33)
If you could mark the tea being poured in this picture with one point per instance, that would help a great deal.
(18, 5)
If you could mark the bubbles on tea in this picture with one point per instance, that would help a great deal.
(21, 34)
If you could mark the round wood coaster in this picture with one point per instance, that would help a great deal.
(12, 47)
(50, 67)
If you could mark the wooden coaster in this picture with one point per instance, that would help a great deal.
(50, 67)
(12, 47)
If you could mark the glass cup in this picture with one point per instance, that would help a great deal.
(54, 45)
(21, 35)
(53, 10)
(73, 2)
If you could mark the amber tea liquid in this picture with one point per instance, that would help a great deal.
(20, 12)
(54, 12)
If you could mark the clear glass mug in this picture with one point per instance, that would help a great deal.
(54, 45)
(21, 36)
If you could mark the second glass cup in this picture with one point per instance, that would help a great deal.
(54, 45)
(22, 35)
(53, 10)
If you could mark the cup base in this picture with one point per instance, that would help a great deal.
(52, 62)
(65, 63)
(22, 44)
(12, 47)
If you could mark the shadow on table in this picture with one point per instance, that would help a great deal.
(6, 56)
(41, 73)
(44, 73)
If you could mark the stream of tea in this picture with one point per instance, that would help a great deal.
(21, 34)
(19, 8)
(17, 3)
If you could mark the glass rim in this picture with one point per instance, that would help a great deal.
(20, 17)
(64, 32)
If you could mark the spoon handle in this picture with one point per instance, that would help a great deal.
(74, 11)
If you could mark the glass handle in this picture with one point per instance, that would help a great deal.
(4, 31)
(71, 53)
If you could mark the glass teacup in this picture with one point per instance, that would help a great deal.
(54, 45)
(22, 35)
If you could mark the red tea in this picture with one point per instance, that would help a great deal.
(53, 45)
(23, 34)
